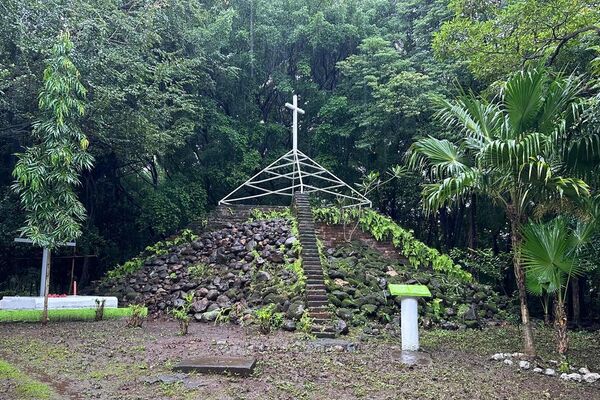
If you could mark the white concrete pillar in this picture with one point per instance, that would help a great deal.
(409, 316)
(45, 256)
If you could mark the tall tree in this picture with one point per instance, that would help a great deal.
(47, 173)
(516, 150)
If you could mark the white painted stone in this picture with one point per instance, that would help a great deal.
(498, 357)
(524, 365)
(573, 377)
(55, 303)
(583, 371)
(538, 370)
(518, 355)
(591, 377)
(549, 372)
(508, 362)
(409, 324)
(564, 376)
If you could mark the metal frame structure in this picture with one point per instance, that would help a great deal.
(296, 172)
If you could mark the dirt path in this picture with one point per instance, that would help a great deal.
(105, 360)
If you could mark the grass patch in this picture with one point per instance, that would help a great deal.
(24, 386)
(79, 314)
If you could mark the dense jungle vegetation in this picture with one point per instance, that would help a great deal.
(184, 100)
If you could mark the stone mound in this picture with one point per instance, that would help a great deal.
(230, 271)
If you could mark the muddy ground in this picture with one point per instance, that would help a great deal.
(106, 360)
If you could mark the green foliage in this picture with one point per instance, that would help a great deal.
(299, 286)
(79, 314)
(305, 323)
(383, 228)
(257, 214)
(483, 264)
(158, 249)
(496, 38)
(268, 319)
(127, 268)
(551, 255)
(47, 173)
(26, 387)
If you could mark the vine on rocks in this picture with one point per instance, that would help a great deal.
(383, 228)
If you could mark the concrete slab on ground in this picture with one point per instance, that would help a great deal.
(243, 366)
(412, 358)
(54, 303)
(327, 344)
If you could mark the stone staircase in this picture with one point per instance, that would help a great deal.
(316, 294)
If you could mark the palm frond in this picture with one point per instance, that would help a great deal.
(513, 153)
(523, 99)
(561, 97)
(449, 190)
(440, 158)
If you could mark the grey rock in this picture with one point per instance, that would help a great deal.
(341, 327)
(289, 325)
(200, 305)
(223, 301)
(295, 310)
(212, 294)
(263, 276)
(210, 315)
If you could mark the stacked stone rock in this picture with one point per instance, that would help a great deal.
(243, 268)
(357, 288)
(316, 294)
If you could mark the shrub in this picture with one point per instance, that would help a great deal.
(99, 310)
(181, 314)
(268, 319)
(137, 316)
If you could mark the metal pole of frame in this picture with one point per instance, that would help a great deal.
(45, 256)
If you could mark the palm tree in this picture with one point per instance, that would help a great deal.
(551, 256)
(516, 150)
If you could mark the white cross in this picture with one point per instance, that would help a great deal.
(294, 107)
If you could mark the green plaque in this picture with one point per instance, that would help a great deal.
(409, 290)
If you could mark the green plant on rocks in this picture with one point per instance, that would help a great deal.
(268, 319)
(198, 271)
(181, 314)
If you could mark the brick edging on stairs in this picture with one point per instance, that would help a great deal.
(316, 293)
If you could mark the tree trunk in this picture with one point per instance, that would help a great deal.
(46, 291)
(546, 306)
(473, 223)
(560, 324)
(528, 342)
(575, 295)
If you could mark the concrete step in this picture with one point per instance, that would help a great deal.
(316, 297)
(317, 303)
(324, 335)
